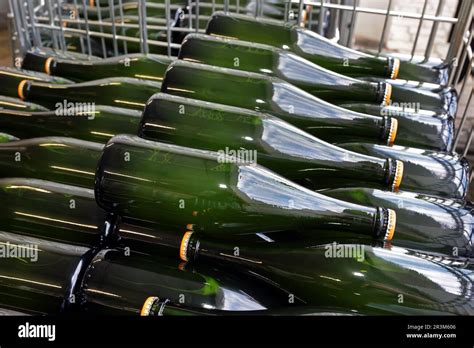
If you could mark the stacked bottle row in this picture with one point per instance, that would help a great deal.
(252, 156)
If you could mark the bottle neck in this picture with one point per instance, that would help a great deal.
(329, 85)
(304, 153)
(338, 58)
(193, 245)
(306, 112)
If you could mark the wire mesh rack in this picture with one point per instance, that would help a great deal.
(114, 27)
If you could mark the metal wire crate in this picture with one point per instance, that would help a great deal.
(38, 23)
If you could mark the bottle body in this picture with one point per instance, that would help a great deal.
(304, 43)
(118, 92)
(63, 160)
(217, 194)
(258, 58)
(97, 125)
(261, 93)
(50, 211)
(134, 277)
(8, 103)
(263, 139)
(36, 273)
(353, 272)
(10, 78)
(140, 66)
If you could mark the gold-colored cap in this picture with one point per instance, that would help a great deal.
(387, 96)
(145, 311)
(392, 135)
(184, 246)
(397, 180)
(392, 222)
(395, 69)
(47, 65)
(21, 85)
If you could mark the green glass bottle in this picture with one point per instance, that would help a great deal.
(18, 104)
(424, 222)
(50, 211)
(140, 66)
(35, 274)
(420, 68)
(269, 94)
(98, 124)
(445, 101)
(5, 138)
(434, 173)
(279, 146)
(154, 306)
(10, 78)
(218, 194)
(303, 42)
(118, 284)
(363, 279)
(116, 91)
(271, 61)
(63, 160)
(320, 82)
(435, 131)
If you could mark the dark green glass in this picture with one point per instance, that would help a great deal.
(37, 282)
(303, 42)
(269, 60)
(279, 146)
(433, 173)
(50, 211)
(5, 138)
(269, 94)
(363, 279)
(423, 222)
(10, 78)
(140, 66)
(316, 48)
(420, 68)
(98, 125)
(445, 101)
(63, 160)
(181, 186)
(116, 91)
(18, 104)
(117, 284)
(416, 128)
(320, 82)
(154, 306)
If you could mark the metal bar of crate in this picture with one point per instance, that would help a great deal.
(463, 121)
(74, 14)
(143, 26)
(102, 40)
(383, 12)
(352, 25)
(114, 30)
(34, 30)
(418, 30)
(434, 30)
(384, 29)
(86, 22)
